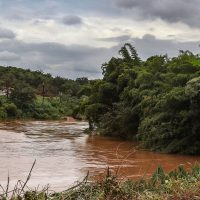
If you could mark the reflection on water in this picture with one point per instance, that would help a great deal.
(64, 154)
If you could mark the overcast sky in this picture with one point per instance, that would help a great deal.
(72, 38)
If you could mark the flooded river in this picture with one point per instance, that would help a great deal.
(64, 154)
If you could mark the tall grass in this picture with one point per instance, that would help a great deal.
(179, 184)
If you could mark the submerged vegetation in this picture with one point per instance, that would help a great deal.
(178, 184)
(156, 101)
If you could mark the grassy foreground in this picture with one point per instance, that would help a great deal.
(179, 184)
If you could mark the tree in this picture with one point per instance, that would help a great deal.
(130, 55)
(82, 80)
(23, 96)
(156, 101)
(7, 83)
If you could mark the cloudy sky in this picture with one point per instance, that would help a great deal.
(72, 38)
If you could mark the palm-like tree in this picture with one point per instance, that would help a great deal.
(130, 54)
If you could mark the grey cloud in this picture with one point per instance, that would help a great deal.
(149, 45)
(121, 38)
(184, 11)
(74, 61)
(69, 61)
(8, 56)
(168, 10)
(72, 20)
(127, 4)
(6, 34)
(25, 10)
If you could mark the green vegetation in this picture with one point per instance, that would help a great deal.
(34, 95)
(178, 184)
(156, 101)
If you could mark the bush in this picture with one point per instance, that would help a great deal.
(45, 111)
(11, 110)
(3, 114)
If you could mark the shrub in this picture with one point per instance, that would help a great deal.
(11, 110)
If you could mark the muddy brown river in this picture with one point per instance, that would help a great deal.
(64, 154)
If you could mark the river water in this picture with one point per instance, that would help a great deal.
(64, 154)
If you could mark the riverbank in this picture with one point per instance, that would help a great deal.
(67, 119)
(178, 184)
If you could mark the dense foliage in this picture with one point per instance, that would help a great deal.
(35, 95)
(156, 101)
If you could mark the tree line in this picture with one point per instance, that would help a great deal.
(35, 95)
(156, 101)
